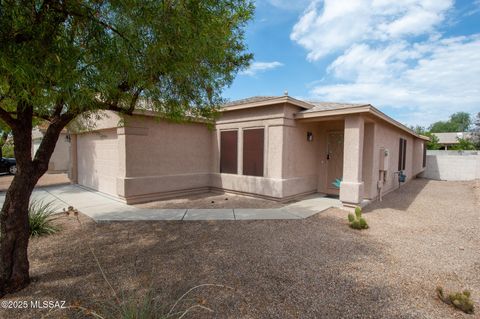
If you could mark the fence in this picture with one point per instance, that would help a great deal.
(452, 165)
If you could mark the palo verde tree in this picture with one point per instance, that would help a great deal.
(63, 58)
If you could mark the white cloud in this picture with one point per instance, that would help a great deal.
(427, 81)
(332, 25)
(392, 54)
(257, 67)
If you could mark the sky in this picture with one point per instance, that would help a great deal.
(416, 60)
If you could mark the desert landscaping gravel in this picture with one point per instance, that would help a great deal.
(213, 200)
(421, 236)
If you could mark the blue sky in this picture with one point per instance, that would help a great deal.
(416, 60)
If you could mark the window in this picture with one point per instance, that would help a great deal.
(402, 154)
(424, 154)
(228, 152)
(253, 152)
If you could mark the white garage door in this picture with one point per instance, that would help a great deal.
(97, 158)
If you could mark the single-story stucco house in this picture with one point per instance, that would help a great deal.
(60, 159)
(278, 148)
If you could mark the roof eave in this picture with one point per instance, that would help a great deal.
(272, 101)
(367, 108)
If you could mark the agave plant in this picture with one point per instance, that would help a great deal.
(40, 217)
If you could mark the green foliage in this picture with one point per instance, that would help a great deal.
(464, 144)
(357, 221)
(351, 217)
(476, 131)
(355, 224)
(460, 300)
(433, 143)
(363, 223)
(40, 217)
(7, 150)
(458, 122)
(174, 57)
(358, 212)
(148, 308)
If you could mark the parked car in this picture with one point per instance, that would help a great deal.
(8, 165)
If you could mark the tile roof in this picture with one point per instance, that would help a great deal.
(451, 137)
(327, 106)
(316, 106)
(252, 99)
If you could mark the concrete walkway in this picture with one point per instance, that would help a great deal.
(103, 208)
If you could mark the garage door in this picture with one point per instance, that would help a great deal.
(97, 158)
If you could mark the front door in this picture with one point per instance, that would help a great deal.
(334, 161)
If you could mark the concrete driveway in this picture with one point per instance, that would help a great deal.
(102, 207)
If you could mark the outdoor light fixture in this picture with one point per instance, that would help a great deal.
(68, 138)
(309, 136)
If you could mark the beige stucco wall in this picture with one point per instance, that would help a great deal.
(97, 160)
(387, 136)
(147, 159)
(60, 159)
(272, 120)
(162, 158)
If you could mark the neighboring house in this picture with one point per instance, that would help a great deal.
(60, 160)
(278, 148)
(449, 139)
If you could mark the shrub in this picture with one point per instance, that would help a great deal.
(460, 300)
(357, 221)
(147, 308)
(40, 217)
(7, 150)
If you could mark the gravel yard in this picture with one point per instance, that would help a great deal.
(213, 200)
(424, 235)
(45, 180)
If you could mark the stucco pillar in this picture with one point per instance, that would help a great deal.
(351, 188)
(122, 161)
(72, 168)
(240, 152)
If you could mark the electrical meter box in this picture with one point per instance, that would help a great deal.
(384, 159)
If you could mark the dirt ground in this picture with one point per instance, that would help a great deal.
(45, 180)
(213, 200)
(424, 235)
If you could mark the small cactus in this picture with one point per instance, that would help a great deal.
(357, 221)
(351, 217)
(460, 300)
(363, 223)
(358, 212)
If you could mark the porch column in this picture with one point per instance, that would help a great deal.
(72, 169)
(351, 188)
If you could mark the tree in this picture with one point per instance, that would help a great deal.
(5, 132)
(458, 122)
(433, 143)
(464, 144)
(476, 131)
(62, 59)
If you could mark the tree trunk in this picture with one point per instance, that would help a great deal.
(14, 225)
(15, 233)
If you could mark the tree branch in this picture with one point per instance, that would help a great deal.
(7, 118)
(134, 100)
